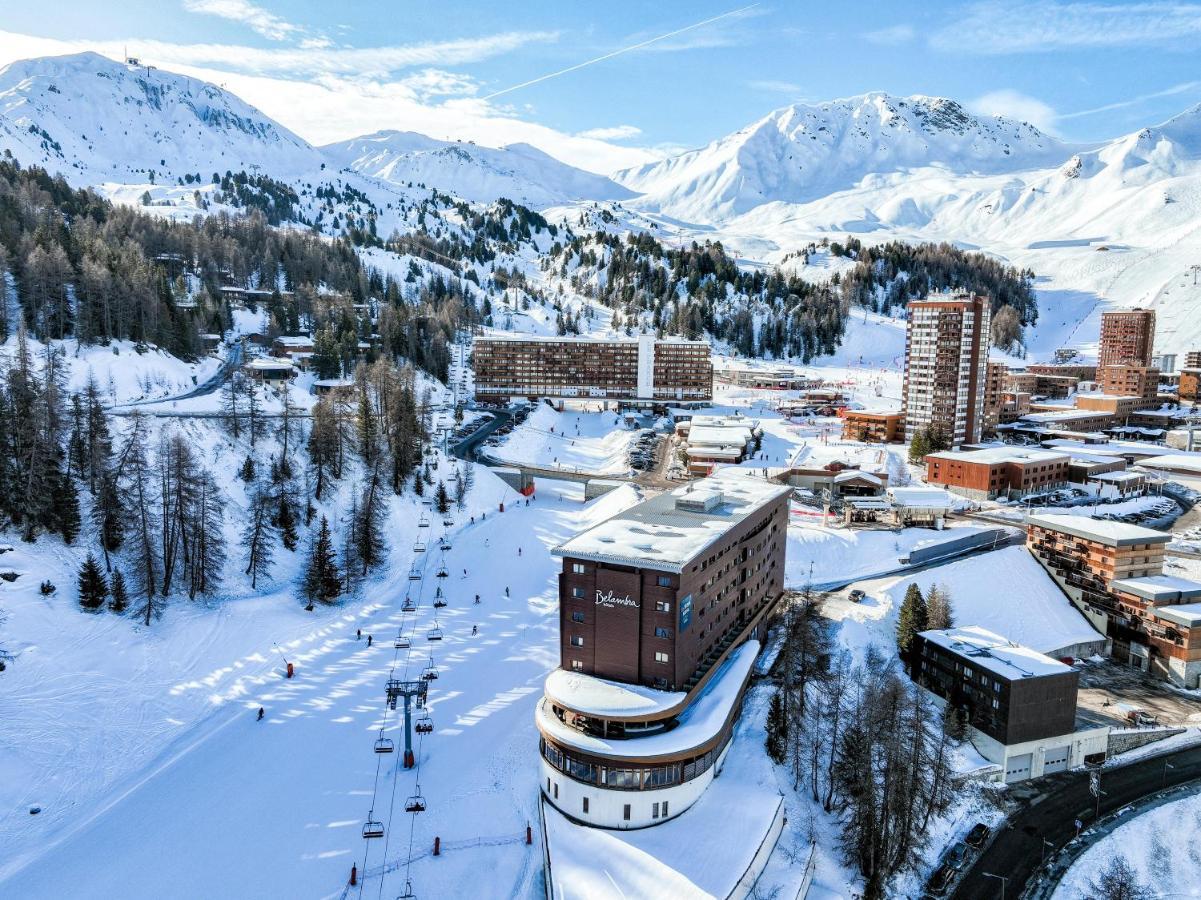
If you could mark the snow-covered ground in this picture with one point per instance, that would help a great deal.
(142, 747)
(1152, 844)
(576, 440)
(1004, 591)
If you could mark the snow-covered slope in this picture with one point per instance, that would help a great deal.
(802, 152)
(112, 121)
(519, 172)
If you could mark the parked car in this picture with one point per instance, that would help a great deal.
(856, 596)
(956, 857)
(941, 878)
(978, 835)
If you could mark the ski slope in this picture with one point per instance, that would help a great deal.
(232, 807)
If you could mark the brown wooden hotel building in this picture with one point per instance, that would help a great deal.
(660, 608)
(642, 369)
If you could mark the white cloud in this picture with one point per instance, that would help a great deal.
(1015, 105)
(894, 34)
(613, 133)
(255, 17)
(329, 101)
(774, 87)
(1041, 26)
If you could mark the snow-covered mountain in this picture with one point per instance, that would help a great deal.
(520, 172)
(803, 152)
(111, 121)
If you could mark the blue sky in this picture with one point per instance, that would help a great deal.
(680, 74)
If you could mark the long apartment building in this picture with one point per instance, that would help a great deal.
(642, 369)
(1113, 572)
(660, 612)
(998, 471)
(946, 358)
(1127, 338)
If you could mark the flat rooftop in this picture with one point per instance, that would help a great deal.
(1105, 531)
(1186, 614)
(994, 456)
(1005, 659)
(919, 497)
(1158, 588)
(667, 531)
(581, 339)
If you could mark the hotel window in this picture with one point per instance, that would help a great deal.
(577, 592)
(660, 657)
(576, 664)
(654, 810)
(665, 809)
(664, 581)
(662, 632)
(578, 568)
(577, 617)
(625, 812)
(662, 606)
(577, 641)
(585, 805)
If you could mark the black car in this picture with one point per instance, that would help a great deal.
(956, 857)
(941, 878)
(978, 835)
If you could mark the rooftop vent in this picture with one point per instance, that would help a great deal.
(699, 501)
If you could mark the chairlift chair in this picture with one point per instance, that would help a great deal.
(444, 544)
(408, 894)
(448, 523)
(409, 605)
(419, 547)
(424, 521)
(415, 573)
(434, 634)
(430, 672)
(439, 603)
(372, 828)
(442, 573)
(402, 642)
(416, 803)
(425, 725)
(438, 591)
(384, 745)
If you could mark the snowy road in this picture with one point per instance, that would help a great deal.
(239, 808)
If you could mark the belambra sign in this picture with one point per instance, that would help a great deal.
(611, 600)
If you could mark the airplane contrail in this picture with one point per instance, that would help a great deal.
(618, 52)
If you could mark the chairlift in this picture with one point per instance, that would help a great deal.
(415, 573)
(438, 591)
(434, 634)
(430, 673)
(444, 544)
(425, 725)
(402, 642)
(442, 573)
(440, 603)
(448, 523)
(409, 605)
(424, 521)
(408, 894)
(416, 803)
(372, 828)
(384, 745)
(419, 547)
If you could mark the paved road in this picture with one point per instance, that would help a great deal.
(1051, 814)
(228, 367)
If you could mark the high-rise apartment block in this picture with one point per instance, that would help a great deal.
(1127, 337)
(946, 358)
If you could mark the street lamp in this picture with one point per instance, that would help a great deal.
(1000, 878)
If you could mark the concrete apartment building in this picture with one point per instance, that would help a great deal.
(995, 375)
(661, 609)
(1189, 390)
(1127, 338)
(998, 471)
(872, 426)
(1125, 380)
(642, 370)
(1021, 704)
(946, 357)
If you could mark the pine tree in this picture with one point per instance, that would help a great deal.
(120, 599)
(285, 520)
(912, 619)
(1119, 881)
(938, 608)
(369, 530)
(108, 515)
(246, 473)
(777, 729)
(418, 485)
(93, 590)
(321, 580)
(442, 499)
(66, 508)
(918, 447)
(258, 536)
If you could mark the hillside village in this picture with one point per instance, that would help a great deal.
(391, 512)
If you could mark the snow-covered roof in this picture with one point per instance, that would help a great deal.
(602, 698)
(294, 340)
(723, 421)
(1117, 477)
(269, 364)
(1067, 415)
(921, 498)
(1159, 588)
(1174, 462)
(987, 650)
(334, 382)
(993, 456)
(719, 435)
(578, 339)
(1105, 531)
(667, 531)
(857, 475)
(1186, 614)
(714, 452)
(699, 723)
